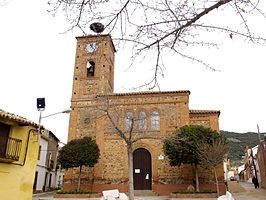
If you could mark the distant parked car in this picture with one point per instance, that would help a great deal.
(232, 178)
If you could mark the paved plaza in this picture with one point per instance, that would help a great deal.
(49, 196)
(240, 191)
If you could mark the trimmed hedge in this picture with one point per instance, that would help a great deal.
(77, 192)
(195, 192)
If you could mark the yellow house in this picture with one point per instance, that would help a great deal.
(19, 148)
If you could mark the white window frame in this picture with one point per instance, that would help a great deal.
(155, 120)
(142, 122)
(128, 120)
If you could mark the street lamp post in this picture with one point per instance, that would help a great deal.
(64, 111)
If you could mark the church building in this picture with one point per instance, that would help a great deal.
(158, 115)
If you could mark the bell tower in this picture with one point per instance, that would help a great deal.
(94, 67)
(93, 75)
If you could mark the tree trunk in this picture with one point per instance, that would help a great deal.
(92, 180)
(80, 167)
(130, 172)
(197, 177)
(217, 183)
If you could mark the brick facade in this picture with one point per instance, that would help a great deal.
(93, 92)
(261, 159)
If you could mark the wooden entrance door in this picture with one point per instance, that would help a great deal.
(142, 169)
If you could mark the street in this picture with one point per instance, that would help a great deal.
(246, 191)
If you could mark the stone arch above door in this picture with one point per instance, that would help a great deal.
(154, 150)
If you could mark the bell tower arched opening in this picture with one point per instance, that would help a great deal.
(90, 68)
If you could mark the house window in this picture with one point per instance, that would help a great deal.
(39, 154)
(9, 147)
(4, 135)
(142, 121)
(128, 120)
(90, 68)
(155, 120)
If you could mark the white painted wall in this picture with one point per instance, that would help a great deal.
(41, 164)
(55, 175)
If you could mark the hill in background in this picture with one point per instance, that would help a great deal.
(237, 143)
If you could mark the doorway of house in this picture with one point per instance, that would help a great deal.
(142, 169)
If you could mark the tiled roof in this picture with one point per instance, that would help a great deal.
(16, 118)
(145, 93)
(204, 112)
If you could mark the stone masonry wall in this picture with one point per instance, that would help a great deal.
(112, 167)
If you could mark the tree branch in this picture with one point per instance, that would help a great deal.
(191, 21)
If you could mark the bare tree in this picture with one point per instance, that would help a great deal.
(212, 155)
(158, 26)
(4, 2)
(127, 127)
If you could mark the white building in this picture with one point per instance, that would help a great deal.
(48, 175)
(251, 167)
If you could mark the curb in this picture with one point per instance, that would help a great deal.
(44, 193)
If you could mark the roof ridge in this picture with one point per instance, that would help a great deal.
(16, 118)
(204, 111)
(144, 92)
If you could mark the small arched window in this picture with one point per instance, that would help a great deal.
(128, 120)
(90, 68)
(142, 121)
(155, 120)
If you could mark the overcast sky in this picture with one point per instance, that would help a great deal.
(37, 60)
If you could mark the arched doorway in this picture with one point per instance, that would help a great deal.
(142, 169)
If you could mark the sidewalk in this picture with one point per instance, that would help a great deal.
(246, 191)
(240, 191)
(49, 196)
(136, 198)
(39, 196)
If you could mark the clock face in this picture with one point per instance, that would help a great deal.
(92, 47)
(87, 120)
